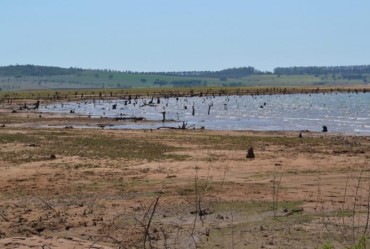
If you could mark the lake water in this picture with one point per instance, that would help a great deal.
(347, 113)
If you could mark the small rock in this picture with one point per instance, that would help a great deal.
(52, 157)
(40, 229)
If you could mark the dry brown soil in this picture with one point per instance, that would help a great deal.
(177, 188)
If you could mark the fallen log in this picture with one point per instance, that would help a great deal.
(129, 118)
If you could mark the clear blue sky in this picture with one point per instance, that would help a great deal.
(174, 35)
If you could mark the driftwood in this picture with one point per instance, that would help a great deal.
(184, 126)
(168, 127)
(203, 212)
(290, 212)
(130, 118)
(33, 145)
(150, 104)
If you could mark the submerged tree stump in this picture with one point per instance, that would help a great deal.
(164, 116)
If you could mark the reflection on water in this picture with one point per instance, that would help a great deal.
(340, 112)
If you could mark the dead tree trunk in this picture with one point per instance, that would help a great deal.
(209, 108)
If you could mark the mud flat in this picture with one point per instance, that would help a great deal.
(68, 187)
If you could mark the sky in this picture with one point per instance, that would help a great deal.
(184, 35)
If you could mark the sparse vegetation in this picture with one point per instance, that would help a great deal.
(180, 188)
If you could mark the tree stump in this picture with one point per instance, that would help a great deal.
(250, 153)
(37, 104)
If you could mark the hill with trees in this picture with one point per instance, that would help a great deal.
(32, 70)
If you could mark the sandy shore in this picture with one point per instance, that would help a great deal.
(63, 187)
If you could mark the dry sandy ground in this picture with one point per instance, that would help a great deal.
(201, 193)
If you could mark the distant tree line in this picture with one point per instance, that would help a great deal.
(350, 71)
(180, 83)
(32, 70)
(226, 73)
(347, 72)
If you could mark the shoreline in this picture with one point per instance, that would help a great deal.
(139, 121)
(50, 120)
(70, 95)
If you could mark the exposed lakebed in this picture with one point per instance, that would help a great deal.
(347, 113)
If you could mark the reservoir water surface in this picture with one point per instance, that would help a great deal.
(347, 113)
